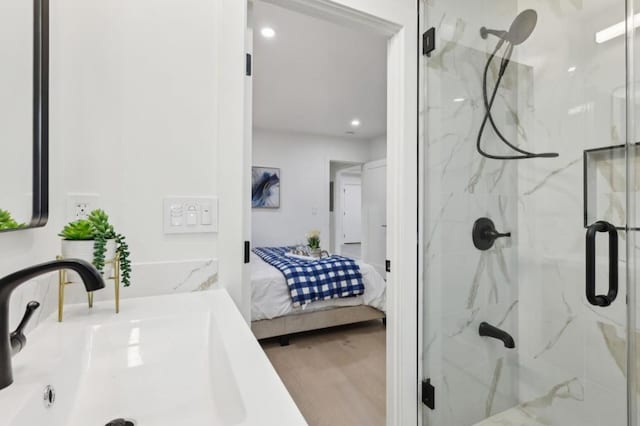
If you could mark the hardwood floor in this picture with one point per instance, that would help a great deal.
(336, 376)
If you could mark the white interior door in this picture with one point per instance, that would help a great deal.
(374, 209)
(352, 212)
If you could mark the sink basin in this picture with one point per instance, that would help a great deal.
(187, 359)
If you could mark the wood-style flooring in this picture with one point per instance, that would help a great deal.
(336, 376)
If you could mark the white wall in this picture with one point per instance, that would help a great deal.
(304, 189)
(378, 148)
(134, 93)
(133, 112)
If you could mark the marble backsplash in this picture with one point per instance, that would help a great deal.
(148, 279)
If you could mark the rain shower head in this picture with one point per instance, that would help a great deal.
(520, 29)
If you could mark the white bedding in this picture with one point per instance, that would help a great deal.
(270, 297)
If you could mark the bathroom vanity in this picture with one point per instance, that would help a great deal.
(187, 359)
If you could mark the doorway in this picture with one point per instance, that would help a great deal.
(397, 21)
(317, 121)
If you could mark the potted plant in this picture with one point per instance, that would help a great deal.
(95, 240)
(313, 241)
(8, 222)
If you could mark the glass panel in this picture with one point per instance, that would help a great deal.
(562, 92)
(633, 137)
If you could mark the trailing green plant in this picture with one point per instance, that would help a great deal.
(103, 231)
(7, 221)
(125, 261)
(97, 228)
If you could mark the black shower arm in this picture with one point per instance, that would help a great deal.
(488, 104)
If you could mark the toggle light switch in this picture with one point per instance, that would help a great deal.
(206, 214)
(176, 215)
(192, 215)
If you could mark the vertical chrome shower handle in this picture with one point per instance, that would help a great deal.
(601, 300)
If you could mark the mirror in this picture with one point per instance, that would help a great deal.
(23, 114)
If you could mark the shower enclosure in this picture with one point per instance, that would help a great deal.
(529, 261)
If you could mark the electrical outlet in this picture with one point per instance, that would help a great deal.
(81, 211)
(80, 205)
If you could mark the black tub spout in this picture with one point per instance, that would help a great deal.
(489, 330)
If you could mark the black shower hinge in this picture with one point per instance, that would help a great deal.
(428, 394)
(387, 265)
(247, 252)
(248, 65)
(429, 41)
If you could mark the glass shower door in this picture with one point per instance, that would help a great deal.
(525, 111)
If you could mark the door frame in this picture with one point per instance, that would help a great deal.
(398, 21)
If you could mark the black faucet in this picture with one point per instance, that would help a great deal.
(489, 330)
(90, 277)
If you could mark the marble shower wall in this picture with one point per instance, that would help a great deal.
(558, 95)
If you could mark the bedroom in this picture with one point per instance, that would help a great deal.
(319, 169)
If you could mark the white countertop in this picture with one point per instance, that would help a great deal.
(188, 358)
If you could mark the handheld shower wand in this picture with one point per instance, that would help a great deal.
(519, 31)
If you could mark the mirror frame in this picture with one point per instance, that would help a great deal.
(40, 164)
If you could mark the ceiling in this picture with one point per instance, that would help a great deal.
(315, 76)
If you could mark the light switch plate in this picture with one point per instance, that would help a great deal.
(184, 215)
(79, 205)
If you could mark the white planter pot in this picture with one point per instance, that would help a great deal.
(74, 249)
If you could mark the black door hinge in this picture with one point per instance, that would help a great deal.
(247, 252)
(248, 65)
(428, 394)
(387, 265)
(429, 41)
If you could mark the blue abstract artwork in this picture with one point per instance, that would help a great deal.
(265, 188)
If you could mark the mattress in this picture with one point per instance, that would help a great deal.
(270, 297)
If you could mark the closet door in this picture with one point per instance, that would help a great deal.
(352, 213)
(374, 214)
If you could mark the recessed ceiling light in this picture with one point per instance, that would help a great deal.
(571, 69)
(355, 123)
(459, 100)
(268, 32)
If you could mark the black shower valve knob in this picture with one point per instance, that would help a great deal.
(484, 233)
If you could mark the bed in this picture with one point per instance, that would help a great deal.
(274, 315)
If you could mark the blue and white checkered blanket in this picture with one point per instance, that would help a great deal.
(321, 279)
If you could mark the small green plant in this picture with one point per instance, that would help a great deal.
(7, 222)
(97, 228)
(313, 239)
(78, 230)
